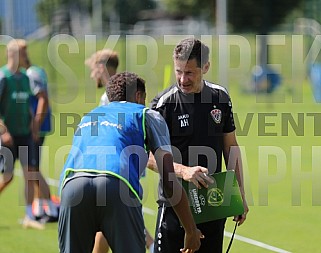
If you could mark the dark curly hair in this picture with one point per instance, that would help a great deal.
(123, 86)
(189, 49)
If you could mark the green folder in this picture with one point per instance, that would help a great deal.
(220, 200)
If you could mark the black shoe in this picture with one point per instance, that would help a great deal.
(48, 219)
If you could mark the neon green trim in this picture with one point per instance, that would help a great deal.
(70, 170)
(144, 127)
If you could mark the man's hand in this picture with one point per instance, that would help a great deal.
(198, 175)
(3, 128)
(241, 218)
(7, 139)
(192, 241)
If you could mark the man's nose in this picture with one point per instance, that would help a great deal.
(183, 78)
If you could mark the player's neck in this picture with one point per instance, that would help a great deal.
(12, 66)
(28, 65)
(25, 65)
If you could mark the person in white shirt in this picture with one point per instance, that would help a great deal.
(103, 64)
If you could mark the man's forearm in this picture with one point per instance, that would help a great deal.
(178, 168)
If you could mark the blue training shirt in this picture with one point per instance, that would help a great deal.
(111, 139)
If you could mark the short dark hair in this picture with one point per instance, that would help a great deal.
(123, 86)
(189, 49)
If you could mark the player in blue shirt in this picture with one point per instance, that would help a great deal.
(100, 189)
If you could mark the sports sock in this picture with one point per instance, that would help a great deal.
(52, 209)
(29, 212)
(37, 205)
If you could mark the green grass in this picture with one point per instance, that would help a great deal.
(283, 213)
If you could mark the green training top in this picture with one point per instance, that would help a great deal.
(14, 101)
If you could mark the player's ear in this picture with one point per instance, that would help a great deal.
(140, 97)
(206, 67)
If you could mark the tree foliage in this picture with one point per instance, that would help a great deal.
(259, 15)
(191, 7)
(129, 9)
(126, 10)
(243, 15)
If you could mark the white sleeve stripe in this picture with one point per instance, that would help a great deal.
(216, 86)
(165, 96)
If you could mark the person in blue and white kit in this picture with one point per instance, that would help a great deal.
(100, 189)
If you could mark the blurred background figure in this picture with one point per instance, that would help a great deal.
(315, 77)
(264, 79)
(2, 131)
(103, 64)
(15, 114)
(44, 208)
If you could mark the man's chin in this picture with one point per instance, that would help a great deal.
(186, 89)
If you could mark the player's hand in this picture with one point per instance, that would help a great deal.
(197, 175)
(6, 139)
(192, 241)
(3, 128)
(241, 218)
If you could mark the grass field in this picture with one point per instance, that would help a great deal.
(279, 136)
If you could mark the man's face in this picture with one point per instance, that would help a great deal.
(23, 57)
(99, 74)
(189, 76)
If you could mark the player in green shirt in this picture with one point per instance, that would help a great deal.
(15, 113)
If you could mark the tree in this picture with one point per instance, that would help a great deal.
(204, 8)
(126, 10)
(258, 16)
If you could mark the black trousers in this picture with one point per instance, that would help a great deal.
(169, 236)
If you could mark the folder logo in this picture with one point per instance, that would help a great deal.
(202, 200)
(215, 197)
(220, 200)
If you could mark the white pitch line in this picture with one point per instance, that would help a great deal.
(256, 243)
(54, 182)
